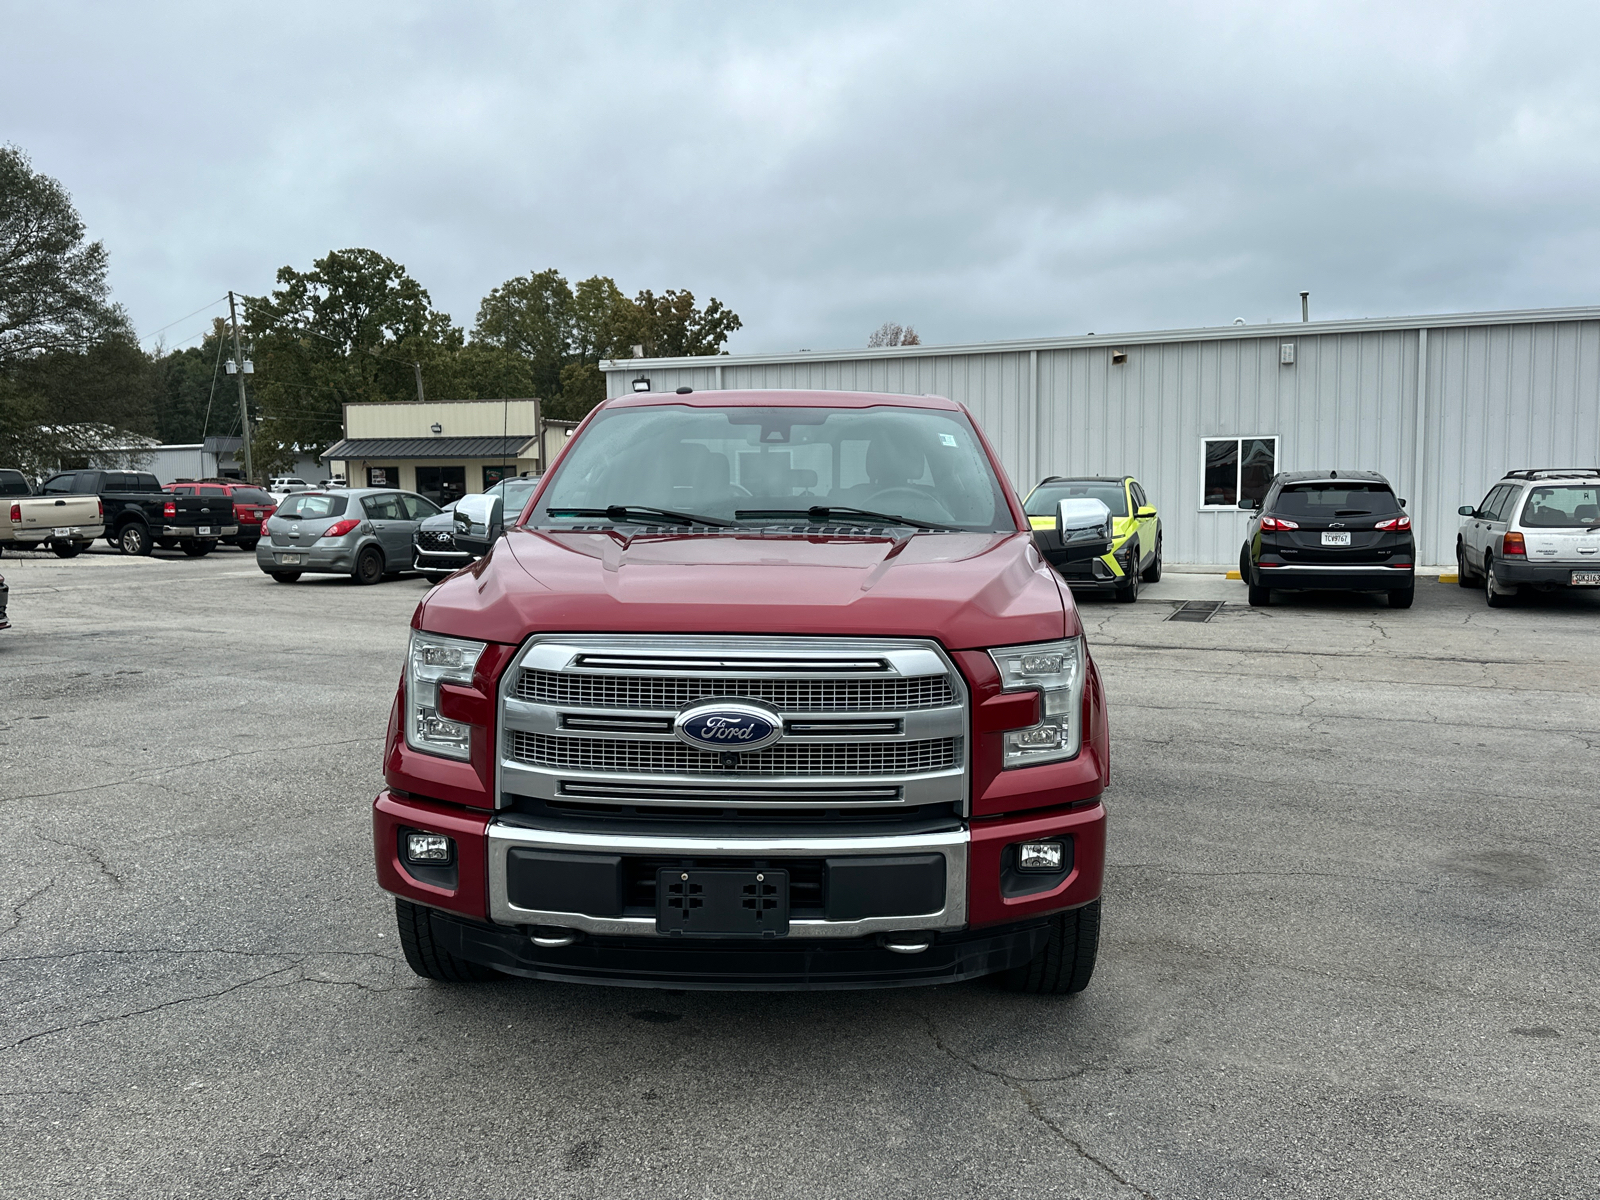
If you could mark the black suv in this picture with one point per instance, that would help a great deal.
(1329, 531)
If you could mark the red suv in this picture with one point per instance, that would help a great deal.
(251, 505)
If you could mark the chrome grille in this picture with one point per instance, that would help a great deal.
(786, 758)
(672, 692)
(435, 539)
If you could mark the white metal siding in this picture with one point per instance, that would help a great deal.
(1511, 390)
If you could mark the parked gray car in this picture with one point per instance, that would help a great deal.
(365, 533)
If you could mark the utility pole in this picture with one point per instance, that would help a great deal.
(244, 412)
(418, 366)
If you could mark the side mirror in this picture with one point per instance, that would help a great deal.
(1467, 510)
(1084, 527)
(1146, 511)
(478, 519)
(1402, 501)
(1250, 505)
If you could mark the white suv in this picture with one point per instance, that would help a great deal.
(1534, 528)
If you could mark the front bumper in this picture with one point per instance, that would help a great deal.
(28, 538)
(1361, 577)
(988, 919)
(1514, 571)
(434, 561)
(314, 559)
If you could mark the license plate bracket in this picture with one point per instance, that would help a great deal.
(1336, 539)
(1585, 579)
(718, 902)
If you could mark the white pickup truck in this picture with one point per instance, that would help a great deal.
(67, 524)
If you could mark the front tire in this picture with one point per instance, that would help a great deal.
(1463, 576)
(1066, 963)
(134, 540)
(427, 958)
(435, 578)
(1152, 573)
(369, 567)
(1129, 591)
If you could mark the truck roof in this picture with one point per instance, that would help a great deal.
(781, 398)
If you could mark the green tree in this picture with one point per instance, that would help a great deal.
(670, 326)
(531, 315)
(348, 330)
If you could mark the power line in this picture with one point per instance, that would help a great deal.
(186, 316)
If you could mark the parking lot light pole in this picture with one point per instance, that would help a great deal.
(244, 412)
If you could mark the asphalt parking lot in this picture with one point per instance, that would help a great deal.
(1351, 939)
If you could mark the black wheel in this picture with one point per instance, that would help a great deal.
(134, 539)
(428, 959)
(67, 549)
(1492, 595)
(286, 576)
(198, 549)
(1402, 597)
(167, 543)
(369, 567)
(1463, 576)
(247, 545)
(435, 578)
(1067, 960)
(1152, 573)
(1129, 591)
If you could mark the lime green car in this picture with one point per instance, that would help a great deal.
(1135, 527)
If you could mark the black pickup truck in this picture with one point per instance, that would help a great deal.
(137, 511)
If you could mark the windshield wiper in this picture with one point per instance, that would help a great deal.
(619, 513)
(823, 514)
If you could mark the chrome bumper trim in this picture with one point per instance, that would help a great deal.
(952, 844)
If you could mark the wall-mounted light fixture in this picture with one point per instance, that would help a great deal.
(641, 384)
(437, 428)
(1286, 354)
(1118, 357)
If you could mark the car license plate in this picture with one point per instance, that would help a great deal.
(1586, 579)
(1336, 539)
(68, 533)
(203, 530)
(722, 903)
(289, 560)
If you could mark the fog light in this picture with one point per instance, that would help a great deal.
(1039, 856)
(436, 848)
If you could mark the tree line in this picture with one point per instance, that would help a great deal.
(354, 327)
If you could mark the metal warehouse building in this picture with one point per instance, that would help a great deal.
(1442, 405)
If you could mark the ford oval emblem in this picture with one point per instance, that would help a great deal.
(735, 725)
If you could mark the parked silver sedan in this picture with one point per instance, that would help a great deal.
(364, 533)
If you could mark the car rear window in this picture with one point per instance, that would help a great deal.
(1336, 500)
(312, 506)
(1558, 507)
(1045, 497)
(253, 496)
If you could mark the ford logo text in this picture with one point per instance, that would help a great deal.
(728, 725)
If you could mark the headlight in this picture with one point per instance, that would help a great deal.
(434, 660)
(1056, 669)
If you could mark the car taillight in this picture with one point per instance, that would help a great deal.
(1394, 523)
(1278, 523)
(16, 513)
(169, 509)
(101, 505)
(1514, 545)
(339, 528)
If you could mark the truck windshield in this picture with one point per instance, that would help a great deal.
(765, 466)
(1557, 507)
(311, 506)
(1044, 498)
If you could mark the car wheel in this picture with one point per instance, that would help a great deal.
(369, 566)
(66, 549)
(167, 543)
(1129, 591)
(247, 546)
(435, 578)
(427, 958)
(1402, 597)
(1152, 573)
(1066, 963)
(134, 539)
(1492, 594)
(198, 549)
(1463, 576)
(286, 576)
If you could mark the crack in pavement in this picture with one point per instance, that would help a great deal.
(93, 855)
(16, 909)
(1036, 1109)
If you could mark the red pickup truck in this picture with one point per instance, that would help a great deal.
(761, 689)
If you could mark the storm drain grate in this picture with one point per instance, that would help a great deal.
(1195, 610)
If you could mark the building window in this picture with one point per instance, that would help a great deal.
(383, 476)
(493, 475)
(442, 485)
(1239, 468)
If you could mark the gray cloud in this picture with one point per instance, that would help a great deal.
(979, 171)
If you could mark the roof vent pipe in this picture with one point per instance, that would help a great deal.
(1305, 306)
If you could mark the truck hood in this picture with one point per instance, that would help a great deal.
(968, 590)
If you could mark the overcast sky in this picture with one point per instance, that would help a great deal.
(979, 171)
